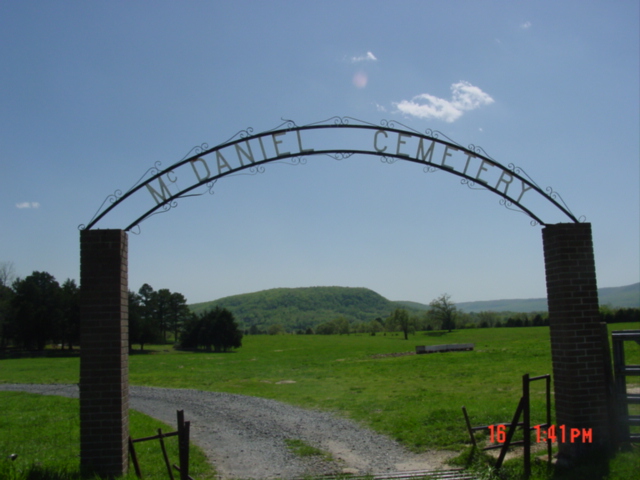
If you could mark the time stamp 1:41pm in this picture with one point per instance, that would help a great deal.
(555, 434)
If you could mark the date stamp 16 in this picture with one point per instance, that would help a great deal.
(553, 433)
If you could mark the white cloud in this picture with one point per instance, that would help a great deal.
(28, 205)
(526, 25)
(369, 57)
(464, 97)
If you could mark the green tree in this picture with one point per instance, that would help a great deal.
(444, 311)
(162, 311)
(342, 326)
(178, 313)
(70, 306)
(215, 329)
(7, 324)
(375, 326)
(142, 328)
(37, 305)
(400, 319)
(275, 329)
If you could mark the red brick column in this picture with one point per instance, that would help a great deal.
(104, 347)
(579, 363)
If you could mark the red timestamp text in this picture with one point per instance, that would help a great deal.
(553, 433)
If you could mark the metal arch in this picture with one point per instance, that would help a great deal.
(334, 123)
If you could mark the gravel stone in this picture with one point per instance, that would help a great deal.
(244, 437)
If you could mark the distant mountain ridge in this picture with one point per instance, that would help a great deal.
(300, 308)
(627, 296)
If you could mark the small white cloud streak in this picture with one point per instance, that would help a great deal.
(526, 25)
(464, 97)
(28, 205)
(369, 57)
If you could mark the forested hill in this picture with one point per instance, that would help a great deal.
(300, 308)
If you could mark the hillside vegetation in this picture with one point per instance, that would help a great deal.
(302, 308)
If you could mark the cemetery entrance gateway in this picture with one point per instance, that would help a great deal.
(579, 361)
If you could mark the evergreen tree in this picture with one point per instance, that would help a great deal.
(37, 304)
(214, 329)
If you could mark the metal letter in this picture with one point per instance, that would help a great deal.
(162, 195)
(447, 154)
(524, 189)
(302, 150)
(429, 151)
(375, 141)
(400, 142)
(502, 180)
(264, 153)
(278, 142)
(466, 165)
(221, 164)
(195, 170)
(481, 169)
(240, 151)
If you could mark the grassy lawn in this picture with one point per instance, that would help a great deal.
(416, 399)
(44, 433)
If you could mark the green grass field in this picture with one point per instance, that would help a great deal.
(44, 433)
(416, 399)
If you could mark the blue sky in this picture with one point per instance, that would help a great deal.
(94, 93)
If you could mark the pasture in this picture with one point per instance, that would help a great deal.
(416, 399)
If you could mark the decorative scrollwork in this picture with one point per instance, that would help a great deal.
(429, 169)
(508, 204)
(111, 199)
(333, 120)
(137, 230)
(149, 173)
(339, 156)
(210, 186)
(393, 123)
(480, 151)
(471, 184)
(520, 171)
(436, 134)
(254, 170)
(197, 150)
(293, 161)
(388, 160)
(247, 132)
(556, 196)
(289, 123)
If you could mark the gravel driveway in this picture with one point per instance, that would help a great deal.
(244, 437)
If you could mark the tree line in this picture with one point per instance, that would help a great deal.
(443, 314)
(37, 311)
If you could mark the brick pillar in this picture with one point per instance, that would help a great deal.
(579, 363)
(104, 350)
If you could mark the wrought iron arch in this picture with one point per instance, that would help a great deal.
(390, 141)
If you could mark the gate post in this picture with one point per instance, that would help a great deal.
(104, 350)
(579, 363)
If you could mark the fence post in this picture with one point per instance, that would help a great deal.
(526, 425)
